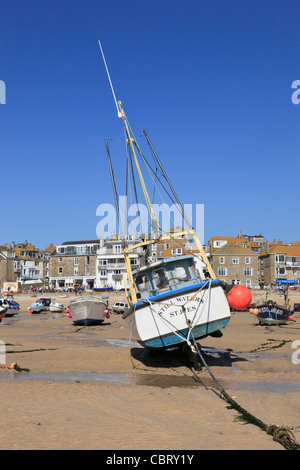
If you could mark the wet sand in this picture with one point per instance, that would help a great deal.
(93, 388)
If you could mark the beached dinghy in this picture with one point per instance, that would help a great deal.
(87, 311)
(171, 303)
(56, 307)
(270, 313)
(38, 307)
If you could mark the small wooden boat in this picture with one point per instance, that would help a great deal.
(270, 313)
(87, 311)
(56, 307)
(37, 307)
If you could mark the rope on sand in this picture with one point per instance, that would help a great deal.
(281, 434)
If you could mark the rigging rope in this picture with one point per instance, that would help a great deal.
(281, 434)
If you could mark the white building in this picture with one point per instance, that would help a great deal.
(111, 263)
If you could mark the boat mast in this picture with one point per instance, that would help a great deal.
(130, 142)
(191, 230)
(114, 186)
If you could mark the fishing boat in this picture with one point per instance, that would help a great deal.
(87, 311)
(170, 302)
(13, 307)
(270, 313)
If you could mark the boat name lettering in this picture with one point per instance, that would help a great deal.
(277, 311)
(187, 308)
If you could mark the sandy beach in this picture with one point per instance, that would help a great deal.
(93, 388)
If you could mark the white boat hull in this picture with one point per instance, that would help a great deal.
(56, 307)
(165, 323)
(87, 312)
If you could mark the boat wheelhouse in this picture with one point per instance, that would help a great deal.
(166, 277)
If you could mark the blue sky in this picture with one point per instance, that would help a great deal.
(210, 82)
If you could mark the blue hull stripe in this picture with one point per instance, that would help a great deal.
(171, 339)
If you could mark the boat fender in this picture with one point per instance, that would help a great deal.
(291, 317)
(239, 297)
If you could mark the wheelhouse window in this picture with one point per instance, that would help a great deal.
(160, 277)
(142, 282)
(181, 273)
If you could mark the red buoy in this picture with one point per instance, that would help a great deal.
(239, 297)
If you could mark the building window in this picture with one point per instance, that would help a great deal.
(60, 260)
(221, 260)
(87, 260)
(76, 261)
(118, 249)
(176, 251)
(75, 270)
(102, 262)
(248, 272)
(102, 273)
(281, 271)
(247, 260)
(248, 282)
(134, 262)
(222, 271)
(235, 260)
(87, 270)
(60, 270)
(279, 258)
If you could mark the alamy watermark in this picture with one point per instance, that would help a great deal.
(296, 354)
(2, 92)
(135, 218)
(296, 94)
(2, 352)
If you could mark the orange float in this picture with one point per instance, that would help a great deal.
(239, 297)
